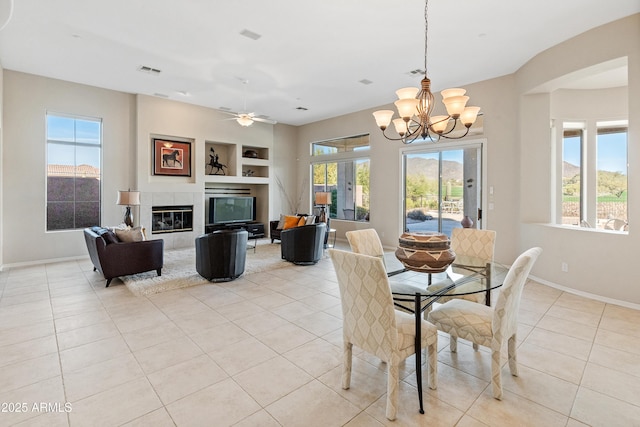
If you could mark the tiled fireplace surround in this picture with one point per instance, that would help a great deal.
(173, 240)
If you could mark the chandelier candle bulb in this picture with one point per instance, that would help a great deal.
(407, 93)
(455, 105)
(439, 123)
(469, 115)
(454, 91)
(406, 107)
(400, 125)
(383, 118)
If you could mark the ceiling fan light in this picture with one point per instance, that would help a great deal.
(383, 118)
(407, 92)
(244, 120)
(469, 115)
(455, 105)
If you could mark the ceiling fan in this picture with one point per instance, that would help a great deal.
(247, 119)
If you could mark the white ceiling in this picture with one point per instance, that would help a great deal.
(311, 54)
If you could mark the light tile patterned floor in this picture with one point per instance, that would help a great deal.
(265, 350)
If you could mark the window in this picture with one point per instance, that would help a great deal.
(340, 145)
(74, 147)
(345, 175)
(594, 175)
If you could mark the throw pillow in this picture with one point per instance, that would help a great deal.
(311, 219)
(290, 222)
(110, 237)
(280, 225)
(302, 221)
(129, 235)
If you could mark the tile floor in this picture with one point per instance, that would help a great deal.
(265, 350)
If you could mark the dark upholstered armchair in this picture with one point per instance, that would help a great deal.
(275, 232)
(304, 244)
(113, 258)
(221, 255)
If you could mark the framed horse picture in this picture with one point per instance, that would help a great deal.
(171, 157)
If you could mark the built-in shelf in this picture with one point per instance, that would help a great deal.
(247, 170)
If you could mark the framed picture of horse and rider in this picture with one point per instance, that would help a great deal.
(171, 157)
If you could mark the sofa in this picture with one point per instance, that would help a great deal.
(303, 245)
(114, 257)
(221, 255)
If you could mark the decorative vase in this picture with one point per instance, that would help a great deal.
(466, 222)
(425, 252)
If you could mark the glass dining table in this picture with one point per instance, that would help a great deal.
(414, 292)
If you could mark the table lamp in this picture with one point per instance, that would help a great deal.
(323, 199)
(128, 198)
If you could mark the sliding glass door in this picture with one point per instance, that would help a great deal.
(441, 187)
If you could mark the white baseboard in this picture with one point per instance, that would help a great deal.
(586, 294)
(41, 262)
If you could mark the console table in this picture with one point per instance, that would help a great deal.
(255, 230)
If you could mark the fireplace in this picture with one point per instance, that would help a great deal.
(171, 219)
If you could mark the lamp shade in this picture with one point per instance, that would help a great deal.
(128, 198)
(323, 198)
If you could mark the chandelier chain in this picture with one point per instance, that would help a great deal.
(426, 34)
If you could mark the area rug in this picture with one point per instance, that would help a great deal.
(179, 270)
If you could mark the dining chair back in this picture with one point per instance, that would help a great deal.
(487, 326)
(471, 242)
(366, 242)
(371, 323)
(474, 242)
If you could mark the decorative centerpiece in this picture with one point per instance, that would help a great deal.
(425, 252)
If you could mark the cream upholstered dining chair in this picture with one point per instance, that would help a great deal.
(371, 323)
(366, 242)
(479, 244)
(487, 326)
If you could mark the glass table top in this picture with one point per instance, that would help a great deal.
(467, 275)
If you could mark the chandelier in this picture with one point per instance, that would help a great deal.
(415, 106)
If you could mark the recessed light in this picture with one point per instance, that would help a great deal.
(366, 81)
(184, 93)
(302, 108)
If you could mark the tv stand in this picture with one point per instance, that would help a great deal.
(254, 228)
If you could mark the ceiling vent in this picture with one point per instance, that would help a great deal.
(416, 72)
(161, 95)
(148, 70)
(250, 34)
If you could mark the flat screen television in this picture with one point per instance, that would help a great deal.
(232, 209)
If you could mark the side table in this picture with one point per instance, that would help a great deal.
(332, 231)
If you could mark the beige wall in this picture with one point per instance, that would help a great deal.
(1, 162)
(599, 262)
(26, 100)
